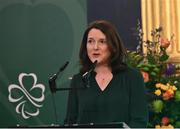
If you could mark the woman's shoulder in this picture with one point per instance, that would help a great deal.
(131, 72)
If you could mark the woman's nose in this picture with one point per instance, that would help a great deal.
(96, 45)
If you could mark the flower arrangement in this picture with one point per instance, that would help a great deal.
(161, 81)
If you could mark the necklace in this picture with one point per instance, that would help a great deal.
(104, 80)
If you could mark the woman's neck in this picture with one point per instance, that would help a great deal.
(103, 69)
(103, 76)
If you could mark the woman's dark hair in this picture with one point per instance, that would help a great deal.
(118, 52)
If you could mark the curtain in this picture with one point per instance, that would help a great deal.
(164, 13)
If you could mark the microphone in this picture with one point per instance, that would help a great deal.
(60, 70)
(92, 69)
(87, 74)
(52, 79)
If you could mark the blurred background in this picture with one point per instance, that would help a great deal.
(39, 36)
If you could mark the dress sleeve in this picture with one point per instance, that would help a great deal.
(138, 102)
(72, 105)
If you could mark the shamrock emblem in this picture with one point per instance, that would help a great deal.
(25, 96)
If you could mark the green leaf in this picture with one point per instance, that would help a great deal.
(156, 70)
(146, 69)
(151, 59)
(177, 124)
(164, 57)
(157, 105)
(153, 74)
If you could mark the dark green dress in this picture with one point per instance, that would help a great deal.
(123, 100)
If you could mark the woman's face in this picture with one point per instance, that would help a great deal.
(97, 47)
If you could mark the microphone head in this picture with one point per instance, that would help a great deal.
(52, 83)
(64, 66)
(94, 64)
(86, 75)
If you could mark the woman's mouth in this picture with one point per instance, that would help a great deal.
(96, 54)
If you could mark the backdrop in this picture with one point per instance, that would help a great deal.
(36, 38)
(124, 14)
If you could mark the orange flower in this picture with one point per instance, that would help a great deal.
(145, 76)
(167, 95)
(164, 42)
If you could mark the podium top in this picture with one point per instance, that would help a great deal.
(88, 125)
(99, 125)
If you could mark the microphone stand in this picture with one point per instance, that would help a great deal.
(53, 89)
(55, 110)
(87, 75)
(52, 84)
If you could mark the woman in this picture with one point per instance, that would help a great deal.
(116, 93)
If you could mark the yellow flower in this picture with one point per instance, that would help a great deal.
(158, 85)
(157, 92)
(157, 126)
(167, 127)
(174, 88)
(170, 126)
(167, 84)
(164, 87)
(164, 126)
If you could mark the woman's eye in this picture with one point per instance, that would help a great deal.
(90, 41)
(102, 41)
